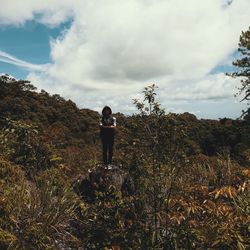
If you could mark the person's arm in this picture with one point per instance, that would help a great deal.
(114, 124)
(103, 126)
(100, 123)
(110, 126)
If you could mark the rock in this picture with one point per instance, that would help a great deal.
(100, 179)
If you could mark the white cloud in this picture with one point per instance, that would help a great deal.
(211, 87)
(7, 58)
(113, 48)
(50, 12)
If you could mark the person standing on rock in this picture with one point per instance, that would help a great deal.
(107, 134)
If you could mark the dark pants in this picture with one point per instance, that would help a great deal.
(107, 147)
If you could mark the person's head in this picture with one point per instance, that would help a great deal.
(106, 111)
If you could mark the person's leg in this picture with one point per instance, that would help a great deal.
(110, 149)
(104, 151)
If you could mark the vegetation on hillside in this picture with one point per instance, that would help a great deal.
(188, 185)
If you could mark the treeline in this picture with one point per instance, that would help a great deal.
(20, 101)
(64, 124)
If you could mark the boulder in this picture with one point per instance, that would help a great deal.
(100, 179)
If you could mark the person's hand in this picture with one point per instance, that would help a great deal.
(111, 126)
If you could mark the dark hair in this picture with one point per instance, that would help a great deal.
(109, 109)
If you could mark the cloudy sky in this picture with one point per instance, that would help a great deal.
(103, 52)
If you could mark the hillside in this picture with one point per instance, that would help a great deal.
(64, 124)
(190, 177)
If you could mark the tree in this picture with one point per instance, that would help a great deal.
(150, 113)
(161, 151)
(243, 67)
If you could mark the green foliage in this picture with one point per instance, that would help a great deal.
(243, 67)
(22, 145)
(32, 216)
(161, 150)
(111, 221)
(191, 177)
(62, 122)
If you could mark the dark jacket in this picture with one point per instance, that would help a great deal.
(107, 121)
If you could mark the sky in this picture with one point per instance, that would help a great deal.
(104, 52)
